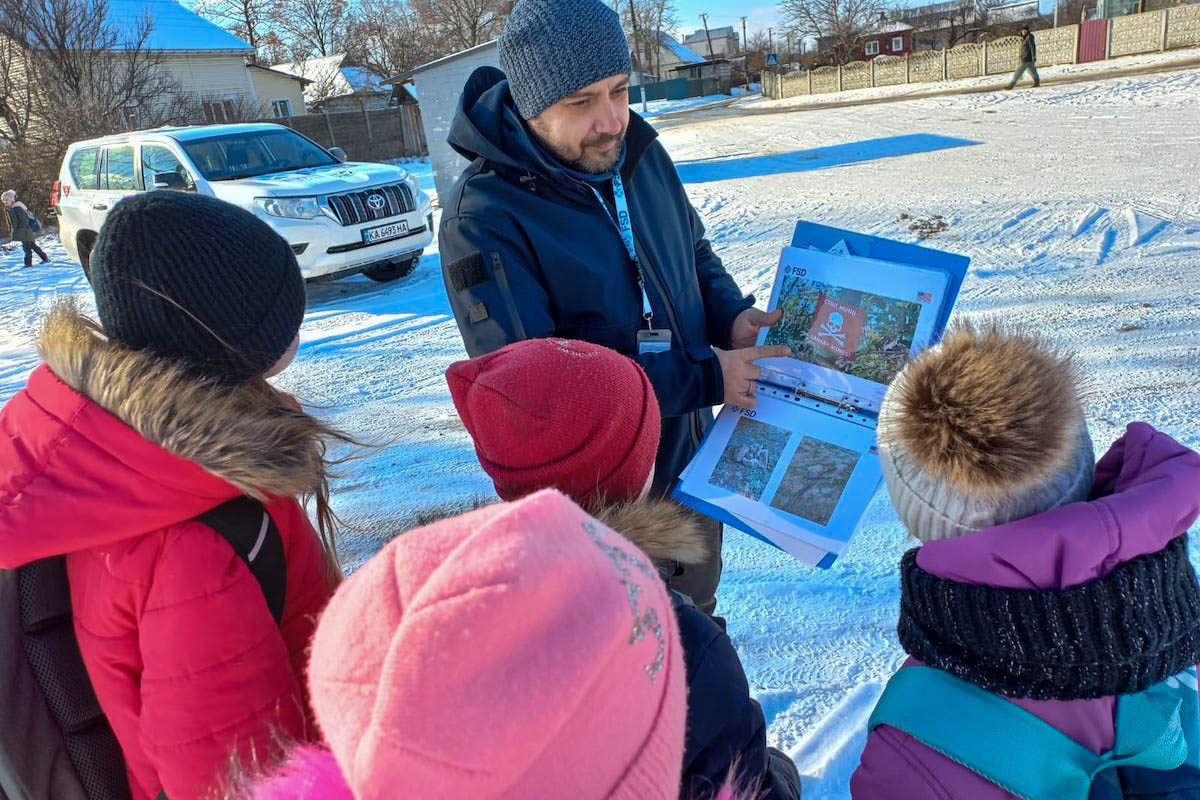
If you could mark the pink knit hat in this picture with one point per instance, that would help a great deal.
(522, 650)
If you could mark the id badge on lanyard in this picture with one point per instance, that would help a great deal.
(651, 340)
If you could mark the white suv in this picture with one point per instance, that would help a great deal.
(340, 218)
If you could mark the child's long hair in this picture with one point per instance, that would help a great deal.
(290, 445)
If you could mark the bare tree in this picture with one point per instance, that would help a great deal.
(274, 50)
(246, 19)
(311, 27)
(83, 76)
(756, 53)
(839, 24)
(647, 20)
(388, 37)
(462, 24)
(71, 74)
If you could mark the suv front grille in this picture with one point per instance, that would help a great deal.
(355, 208)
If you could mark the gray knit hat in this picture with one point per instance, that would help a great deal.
(551, 49)
(982, 429)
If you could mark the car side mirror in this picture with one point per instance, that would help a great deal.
(169, 180)
(338, 153)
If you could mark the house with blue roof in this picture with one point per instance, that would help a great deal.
(210, 65)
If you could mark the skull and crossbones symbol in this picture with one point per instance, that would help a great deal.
(831, 328)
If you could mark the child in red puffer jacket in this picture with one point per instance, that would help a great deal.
(130, 431)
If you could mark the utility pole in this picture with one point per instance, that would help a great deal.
(704, 18)
(1056, 5)
(637, 60)
(770, 41)
(745, 41)
(788, 55)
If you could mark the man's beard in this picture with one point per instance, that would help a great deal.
(591, 163)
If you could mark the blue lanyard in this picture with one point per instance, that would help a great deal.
(624, 226)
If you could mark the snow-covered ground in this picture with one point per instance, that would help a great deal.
(655, 108)
(1077, 204)
(1049, 74)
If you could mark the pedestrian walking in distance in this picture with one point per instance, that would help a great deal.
(1028, 59)
(22, 230)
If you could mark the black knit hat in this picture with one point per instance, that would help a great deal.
(198, 280)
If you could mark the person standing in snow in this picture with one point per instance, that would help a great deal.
(571, 221)
(129, 432)
(490, 656)
(1052, 592)
(583, 419)
(22, 231)
(1028, 60)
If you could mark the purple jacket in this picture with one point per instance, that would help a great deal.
(1147, 492)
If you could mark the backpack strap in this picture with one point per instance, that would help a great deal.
(1017, 750)
(253, 535)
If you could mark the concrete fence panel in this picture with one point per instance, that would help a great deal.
(856, 75)
(925, 67)
(1057, 45)
(795, 84)
(890, 71)
(1183, 26)
(824, 80)
(1004, 55)
(964, 61)
(1137, 33)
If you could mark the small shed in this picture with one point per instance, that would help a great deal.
(718, 68)
(439, 85)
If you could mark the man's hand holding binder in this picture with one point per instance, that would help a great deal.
(739, 371)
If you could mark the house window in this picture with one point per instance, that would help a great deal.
(218, 111)
(873, 48)
(281, 108)
(897, 44)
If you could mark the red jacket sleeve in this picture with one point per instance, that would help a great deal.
(217, 682)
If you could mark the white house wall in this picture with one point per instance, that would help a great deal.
(439, 87)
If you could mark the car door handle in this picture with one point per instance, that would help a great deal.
(99, 207)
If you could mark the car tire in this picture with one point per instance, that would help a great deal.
(84, 244)
(392, 270)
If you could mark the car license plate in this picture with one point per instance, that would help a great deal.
(392, 230)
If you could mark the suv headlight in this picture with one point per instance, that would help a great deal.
(415, 185)
(290, 207)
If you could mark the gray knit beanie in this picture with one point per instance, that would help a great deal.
(982, 429)
(551, 49)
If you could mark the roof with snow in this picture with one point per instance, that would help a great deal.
(173, 27)
(685, 54)
(333, 78)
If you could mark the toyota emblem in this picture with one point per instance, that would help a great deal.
(376, 202)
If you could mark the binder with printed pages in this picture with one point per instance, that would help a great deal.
(799, 469)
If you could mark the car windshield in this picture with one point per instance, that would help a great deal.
(244, 155)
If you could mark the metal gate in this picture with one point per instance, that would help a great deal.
(1093, 40)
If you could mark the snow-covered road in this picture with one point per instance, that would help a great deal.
(1078, 205)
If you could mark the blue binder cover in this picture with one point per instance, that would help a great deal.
(815, 548)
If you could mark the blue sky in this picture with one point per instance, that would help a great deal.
(726, 12)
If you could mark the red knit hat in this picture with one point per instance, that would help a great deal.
(570, 415)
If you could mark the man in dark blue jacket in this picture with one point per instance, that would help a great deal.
(571, 221)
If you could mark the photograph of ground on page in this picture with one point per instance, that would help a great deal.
(855, 332)
(815, 480)
(749, 458)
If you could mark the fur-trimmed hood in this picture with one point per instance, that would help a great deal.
(110, 443)
(662, 530)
